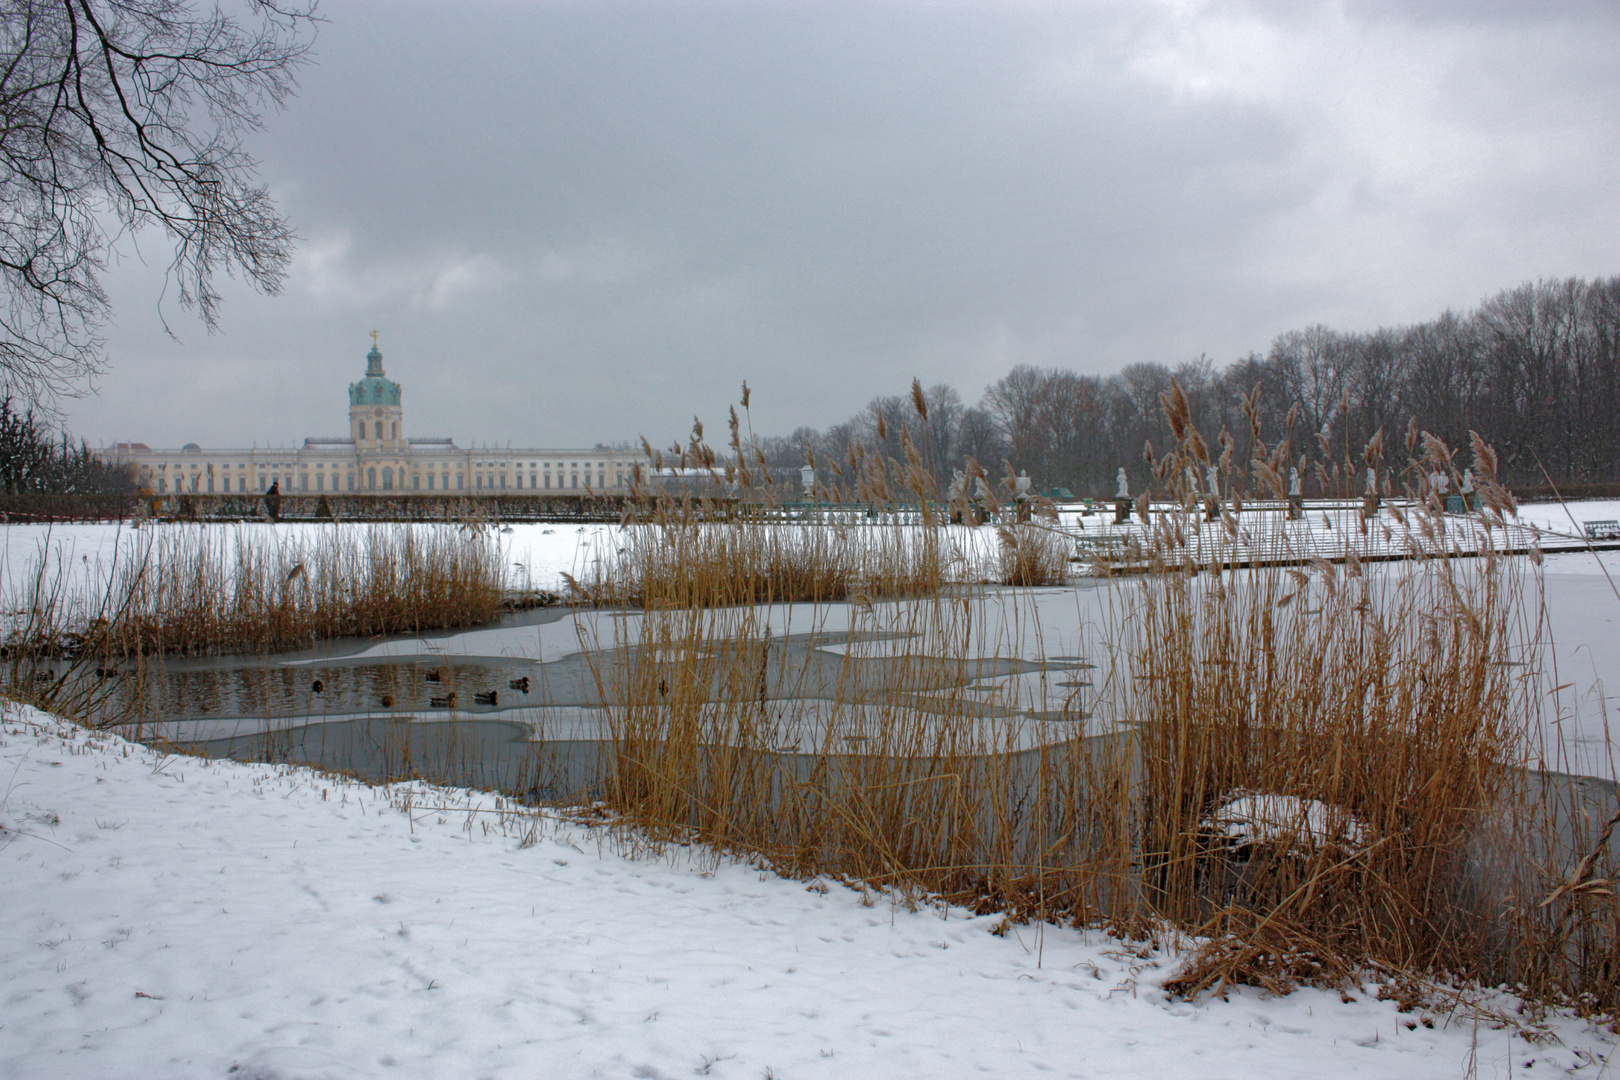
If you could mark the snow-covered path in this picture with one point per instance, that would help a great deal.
(183, 918)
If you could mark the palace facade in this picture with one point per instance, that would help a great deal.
(376, 458)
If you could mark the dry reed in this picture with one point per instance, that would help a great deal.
(686, 564)
(1318, 767)
(181, 589)
(1033, 554)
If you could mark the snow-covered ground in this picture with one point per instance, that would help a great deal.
(1569, 518)
(180, 918)
(538, 555)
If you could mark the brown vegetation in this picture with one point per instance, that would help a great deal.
(1375, 724)
(180, 589)
(688, 564)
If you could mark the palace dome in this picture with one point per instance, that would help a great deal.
(374, 389)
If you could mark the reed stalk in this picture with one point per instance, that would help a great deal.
(1317, 768)
(194, 589)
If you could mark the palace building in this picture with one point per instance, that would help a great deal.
(376, 458)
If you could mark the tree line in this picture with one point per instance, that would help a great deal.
(1535, 370)
(36, 460)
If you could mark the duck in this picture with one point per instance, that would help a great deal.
(486, 697)
(520, 684)
(446, 702)
(388, 701)
(434, 676)
(317, 686)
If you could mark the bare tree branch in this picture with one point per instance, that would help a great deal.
(118, 116)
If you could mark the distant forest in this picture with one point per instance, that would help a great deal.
(1534, 369)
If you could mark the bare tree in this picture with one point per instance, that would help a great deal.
(1534, 369)
(940, 428)
(1316, 368)
(1070, 420)
(979, 437)
(1014, 402)
(117, 117)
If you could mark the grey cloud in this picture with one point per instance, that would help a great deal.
(575, 223)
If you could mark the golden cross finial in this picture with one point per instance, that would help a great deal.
(374, 339)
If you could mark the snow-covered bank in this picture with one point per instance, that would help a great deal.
(183, 918)
(538, 555)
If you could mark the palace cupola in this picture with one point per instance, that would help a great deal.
(376, 421)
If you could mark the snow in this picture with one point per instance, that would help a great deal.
(1569, 519)
(537, 555)
(1270, 818)
(176, 917)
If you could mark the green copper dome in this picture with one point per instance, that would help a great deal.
(374, 389)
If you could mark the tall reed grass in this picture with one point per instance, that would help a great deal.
(1033, 554)
(188, 589)
(1314, 766)
(681, 550)
(687, 563)
(1383, 697)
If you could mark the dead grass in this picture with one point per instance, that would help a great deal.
(746, 546)
(189, 589)
(688, 563)
(1379, 722)
(1032, 554)
(882, 772)
(1384, 697)
(1394, 706)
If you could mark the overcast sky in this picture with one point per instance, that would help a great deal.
(575, 223)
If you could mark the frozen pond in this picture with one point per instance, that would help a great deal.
(497, 705)
(1036, 658)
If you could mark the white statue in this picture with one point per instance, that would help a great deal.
(1372, 481)
(958, 485)
(1467, 487)
(1021, 484)
(1439, 481)
(1124, 491)
(1213, 476)
(807, 477)
(1294, 490)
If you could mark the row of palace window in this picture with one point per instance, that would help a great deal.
(205, 483)
(360, 433)
(493, 480)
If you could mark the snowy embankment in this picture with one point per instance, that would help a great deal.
(537, 556)
(177, 917)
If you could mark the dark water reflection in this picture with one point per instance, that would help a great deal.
(489, 754)
(457, 718)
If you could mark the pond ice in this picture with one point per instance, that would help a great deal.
(1583, 612)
